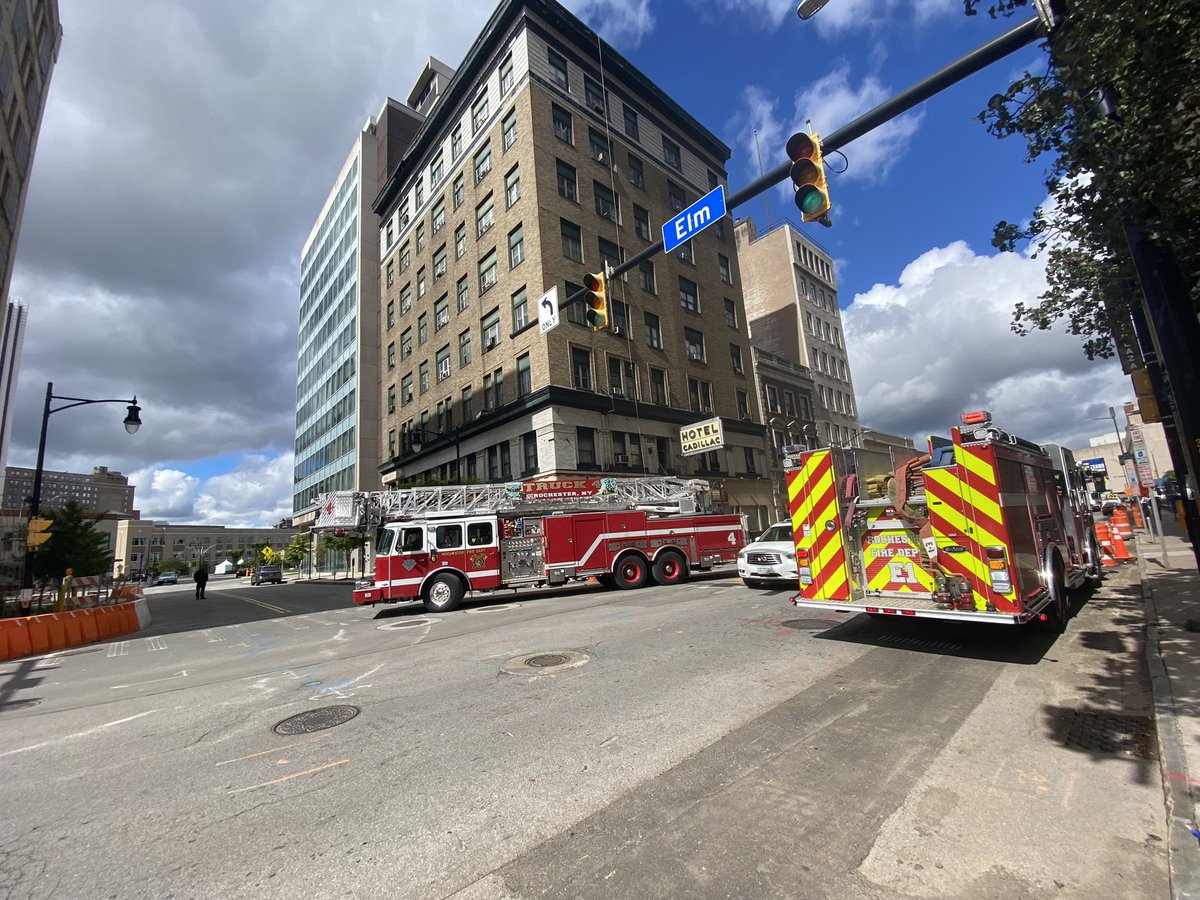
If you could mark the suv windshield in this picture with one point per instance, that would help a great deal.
(780, 532)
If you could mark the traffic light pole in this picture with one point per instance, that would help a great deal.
(1010, 42)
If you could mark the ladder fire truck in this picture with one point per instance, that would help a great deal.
(436, 544)
(985, 527)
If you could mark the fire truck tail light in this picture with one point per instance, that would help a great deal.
(997, 562)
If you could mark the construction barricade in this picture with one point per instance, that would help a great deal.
(27, 635)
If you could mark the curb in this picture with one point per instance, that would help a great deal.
(1183, 855)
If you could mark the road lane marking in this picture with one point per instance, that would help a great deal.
(340, 762)
(270, 606)
(276, 749)
(121, 648)
(246, 631)
(290, 624)
(182, 674)
(155, 643)
(78, 734)
(211, 635)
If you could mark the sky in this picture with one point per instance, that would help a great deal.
(187, 148)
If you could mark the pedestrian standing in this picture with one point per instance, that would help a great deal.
(201, 579)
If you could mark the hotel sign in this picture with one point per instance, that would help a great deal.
(701, 437)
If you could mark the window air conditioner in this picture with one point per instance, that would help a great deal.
(618, 392)
(621, 459)
(706, 409)
(600, 157)
(616, 329)
(694, 355)
(491, 343)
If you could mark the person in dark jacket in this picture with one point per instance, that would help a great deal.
(201, 579)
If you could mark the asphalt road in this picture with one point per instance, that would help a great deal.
(704, 740)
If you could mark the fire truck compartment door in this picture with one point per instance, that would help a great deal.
(816, 505)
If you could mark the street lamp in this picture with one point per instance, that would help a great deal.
(421, 435)
(132, 423)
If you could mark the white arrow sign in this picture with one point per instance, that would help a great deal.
(548, 310)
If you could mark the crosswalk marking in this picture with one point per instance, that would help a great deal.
(211, 635)
(120, 648)
(155, 643)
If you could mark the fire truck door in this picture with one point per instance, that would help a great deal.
(411, 564)
(816, 509)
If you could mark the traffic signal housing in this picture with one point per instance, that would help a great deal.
(597, 300)
(808, 176)
(39, 532)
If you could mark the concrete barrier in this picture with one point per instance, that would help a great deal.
(27, 635)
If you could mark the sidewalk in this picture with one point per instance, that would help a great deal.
(1171, 592)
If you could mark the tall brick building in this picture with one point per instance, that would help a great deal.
(546, 156)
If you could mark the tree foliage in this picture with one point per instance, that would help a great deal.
(74, 544)
(1140, 165)
(296, 550)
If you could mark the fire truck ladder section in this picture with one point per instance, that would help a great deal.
(356, 509)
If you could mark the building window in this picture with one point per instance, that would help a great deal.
(484, 216)
(439, 217)
(676, 196)
(437, 169)
(441, 313)
(391, 313)
(671, 153)
(405, 259)
(658, 387)
(598, 145)
(593, 95)
(606, 202)
(637, 177)
(443, 363)
(689, 297)
(789, 403)
(735, 357)
(610, 253)
(456, 142)
(487, 272)
(420, 282)
(700, 395)
(653, 330)
(572, 240)
(562, 124)
(463, 293)
(694, 342)
(512, 185)
(509, 129)
(646, 274)
(723, 267)
(529, 454)
(585, 440)
(483, 162)
(423, 377)
(743, 405)
(576, 311)
(772, 398)
(391, 355)
(391, 273)
(621, 377)
(422, 328)
(516, 247)
(460, 241)
(686, 254)
(406, 389)
(641, 222)
(419, 194)
(439, 262)
(507, 78)
(524, 377)
(730, 313)
(581, 368)
(391, 398)
(566, 182)
(631, 123)
(479, 112)
(420, 236)
(558, 69)
(406, 343)
(464, 348)
(520, 309)
(458, 191)
(489, 328)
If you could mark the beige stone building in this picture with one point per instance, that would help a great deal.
(141, 543)
(546, 156)
(792, 304)
(1104, 453)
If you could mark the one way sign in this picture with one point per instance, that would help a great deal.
(548, 310)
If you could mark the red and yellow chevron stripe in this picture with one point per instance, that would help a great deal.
(966, 517)
(820, 550)
(892, 558)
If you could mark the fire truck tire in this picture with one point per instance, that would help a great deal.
(670, 568)
(1095, 569)
(443, 594)
(1058, 610)
(631, 572)
(606, 580)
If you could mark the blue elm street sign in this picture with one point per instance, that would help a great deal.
(694, 219)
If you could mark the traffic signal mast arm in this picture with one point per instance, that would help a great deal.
(978, 59)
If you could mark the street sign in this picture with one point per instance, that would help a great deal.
(694, 219)
(548, 310)
(701, 437)
(1097, 466)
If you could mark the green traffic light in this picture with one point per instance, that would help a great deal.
(594, 318)
(810, 200)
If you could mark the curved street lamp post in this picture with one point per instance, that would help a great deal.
(132, 423)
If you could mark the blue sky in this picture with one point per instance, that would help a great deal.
(194, 144)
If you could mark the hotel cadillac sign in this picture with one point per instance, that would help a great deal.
(701, 437)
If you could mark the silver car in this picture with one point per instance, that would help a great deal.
(770, 559)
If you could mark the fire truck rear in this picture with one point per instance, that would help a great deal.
(985, 527)
(437, 544)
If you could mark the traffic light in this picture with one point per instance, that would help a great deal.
(39, 532)
(597, 301)
(808, 175)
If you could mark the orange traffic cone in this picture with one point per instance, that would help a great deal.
(1120, 523)
(1104, 538)
(1121, 551)
(1139, 521)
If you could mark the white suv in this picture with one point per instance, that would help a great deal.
(770, 559)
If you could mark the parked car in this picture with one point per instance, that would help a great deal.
(241, 572)
(167, 578)
(137, 576)
(263, 574)
(770, 559)
(1109, 505)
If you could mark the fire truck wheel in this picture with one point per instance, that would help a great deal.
(1095, 570)
(670, 568)
(631, 572)
(443, 594)
(1058, 610)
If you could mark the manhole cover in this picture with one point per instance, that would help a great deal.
(807, 624)
(546, 659)
(314, 720)
(545, 663)
(1103, 732)
(405, 623)
(501, 607)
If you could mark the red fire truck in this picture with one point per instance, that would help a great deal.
(985, 526)
(437, 544)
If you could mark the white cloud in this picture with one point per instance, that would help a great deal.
(256, 493)
(622, 23)
(164, 494)
(842, 17)
(938, 343)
